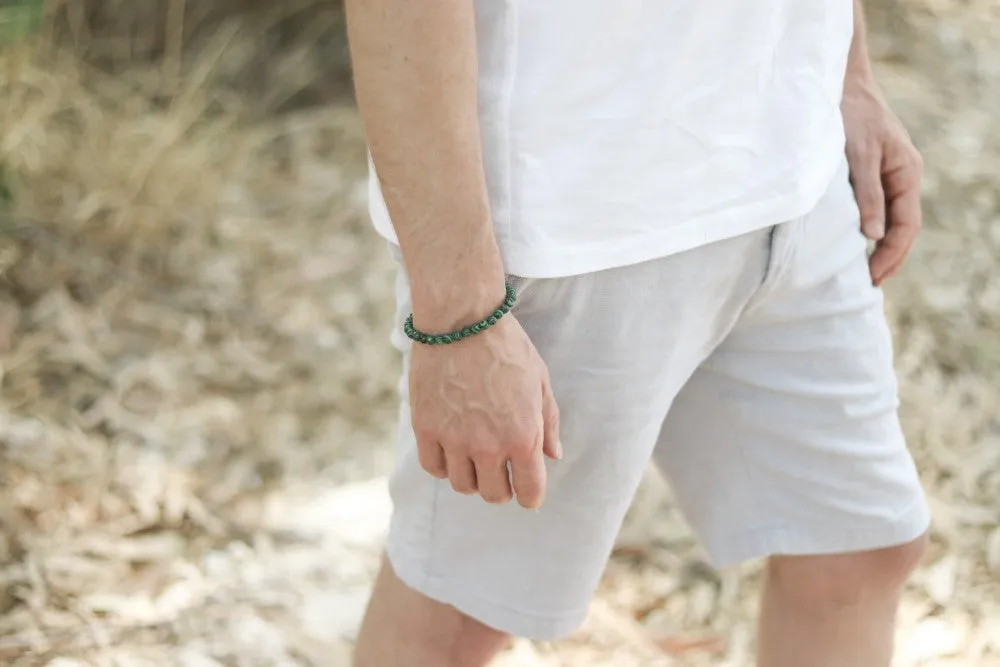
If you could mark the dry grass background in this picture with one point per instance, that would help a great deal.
(197, 394)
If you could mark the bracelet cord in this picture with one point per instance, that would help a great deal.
(482, 325)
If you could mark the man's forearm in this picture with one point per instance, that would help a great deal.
(415, 76)
(859, 69)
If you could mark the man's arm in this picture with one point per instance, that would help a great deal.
(886, 169)
(858, 61)
(415, 76)
(484, 405)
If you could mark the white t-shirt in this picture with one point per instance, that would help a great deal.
(618, 131)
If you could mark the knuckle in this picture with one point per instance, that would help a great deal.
(487, 454)
(866, 194)
(864, 150)
(555, 419)
(867, 147)
(551, 403)
(522, 447)
(553, 427)
(868, 187)
(425, 432)
(430, 462)
(434, 470)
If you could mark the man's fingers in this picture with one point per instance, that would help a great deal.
(494, 482)
(528, 477)
(866, 179)
(890, 254)
(462, 474)
(551, 445)
(432, 459)
(891, 251)
(905, 220)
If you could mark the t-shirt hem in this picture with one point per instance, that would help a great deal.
(546, 261)
(539, 261)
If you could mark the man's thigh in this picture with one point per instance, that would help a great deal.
(619, 344)
(786, 439)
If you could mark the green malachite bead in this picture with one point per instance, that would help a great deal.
(453, 337)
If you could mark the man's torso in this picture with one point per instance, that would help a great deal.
(617, 132)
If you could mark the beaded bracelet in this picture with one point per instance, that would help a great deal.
(471, 330)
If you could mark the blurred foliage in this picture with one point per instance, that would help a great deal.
(19, 18)
(279, 56)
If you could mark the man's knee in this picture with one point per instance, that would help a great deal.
(846, 579)
(404, 627)
(474, 643)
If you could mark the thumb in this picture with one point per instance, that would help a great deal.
(866, 179)
(551, 445)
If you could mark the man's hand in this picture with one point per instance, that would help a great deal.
(483, 403)
(480, 404)
(886, 172)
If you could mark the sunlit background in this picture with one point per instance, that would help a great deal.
(197, 393)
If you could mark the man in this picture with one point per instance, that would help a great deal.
(669, 192)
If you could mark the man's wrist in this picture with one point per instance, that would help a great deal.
(860, 76)
(860, 86)
(451, 305)
(451, 292)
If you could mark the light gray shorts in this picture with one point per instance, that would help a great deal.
(757, 373)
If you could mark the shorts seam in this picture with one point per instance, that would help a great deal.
(428, 573)
(774, 541)
(440, 582)
(532, 625)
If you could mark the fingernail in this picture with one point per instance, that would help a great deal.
(559, 449)
(877, 228)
